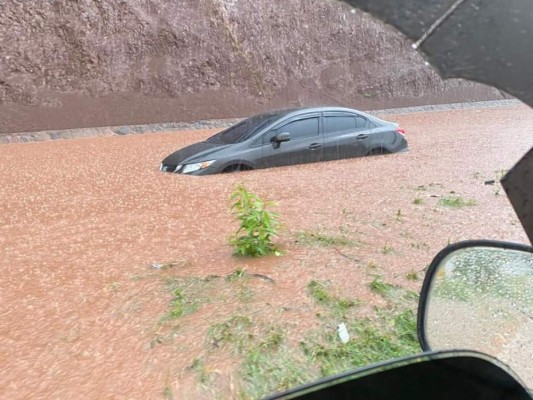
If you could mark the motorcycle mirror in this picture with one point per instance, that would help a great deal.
(478, 295)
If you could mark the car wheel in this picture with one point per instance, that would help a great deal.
(236, 168)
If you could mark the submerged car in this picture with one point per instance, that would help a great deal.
(289, 137)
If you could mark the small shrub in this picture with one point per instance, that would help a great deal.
(258, 225)
(418, 201)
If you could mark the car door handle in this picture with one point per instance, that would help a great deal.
(315, 146)
(361, 136)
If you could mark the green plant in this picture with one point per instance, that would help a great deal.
(418, 201)
(456, 202)
(258, 224)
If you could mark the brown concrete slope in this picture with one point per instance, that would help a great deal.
(68, 64)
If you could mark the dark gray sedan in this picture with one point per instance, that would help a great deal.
(289, 137)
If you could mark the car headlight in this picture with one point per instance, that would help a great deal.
(195, 167)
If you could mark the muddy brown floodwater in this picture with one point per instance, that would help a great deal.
(82, 220)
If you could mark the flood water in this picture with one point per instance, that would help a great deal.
(82, 220)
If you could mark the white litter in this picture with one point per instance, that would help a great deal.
(343, 333)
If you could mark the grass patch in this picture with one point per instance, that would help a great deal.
(239, 273)
(370, 342)
(180, 305)
(399, 215)
(320, 239)
(372, 265)
(386, 249)
(456, 202)
(234, 333)
(167, 393)
(268, 359)
(198, 366)
(337, 306)
(270, 362)
(412, 276)
(245, 294)
(380, 287)
(189, 293)
(420, 246)
(268, 366)
(319, 293)
(418, 201)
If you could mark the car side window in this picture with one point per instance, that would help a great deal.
(301, 128)
(268, 136)
(361, 122)
(339, 123)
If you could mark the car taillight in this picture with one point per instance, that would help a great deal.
(400, 131)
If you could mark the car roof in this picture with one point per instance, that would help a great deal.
(304, 110)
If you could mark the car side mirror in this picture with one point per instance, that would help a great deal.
(478, 295)
(282, 137)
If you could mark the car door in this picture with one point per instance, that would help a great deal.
(346, 135)
(305, 144)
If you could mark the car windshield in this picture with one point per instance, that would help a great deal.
(245, 129)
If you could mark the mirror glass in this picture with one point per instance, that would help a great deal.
(481, 298)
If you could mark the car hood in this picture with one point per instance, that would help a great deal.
(194, 153)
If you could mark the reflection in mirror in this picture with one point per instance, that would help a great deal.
(481, 298)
